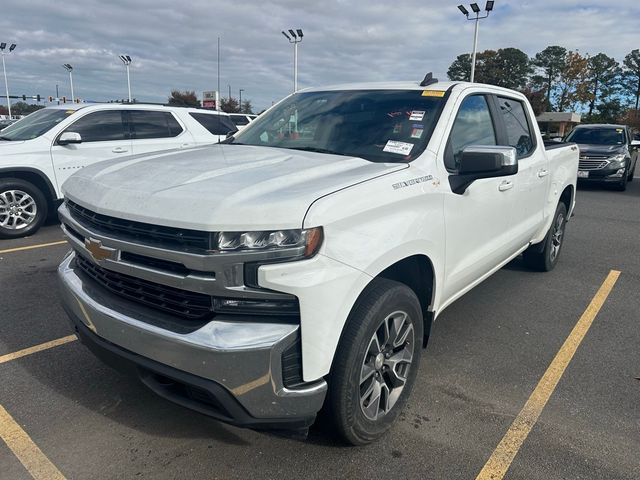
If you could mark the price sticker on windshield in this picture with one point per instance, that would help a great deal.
(401, 148)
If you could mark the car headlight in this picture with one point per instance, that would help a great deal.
(618, 161)
(310, 239)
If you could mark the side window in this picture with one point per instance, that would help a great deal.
(473, 126)
(153, 124)
(240, 120)
(518, 128)
(215, 124)
(100, 126)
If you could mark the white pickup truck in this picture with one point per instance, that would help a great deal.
(302, 263)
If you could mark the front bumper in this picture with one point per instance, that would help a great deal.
(604, 175)
(228, 369)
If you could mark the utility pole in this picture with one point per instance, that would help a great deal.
(12, 47)
(476, 9)
(295, 38)
(240, 101)
(126, 59)
(69, 69)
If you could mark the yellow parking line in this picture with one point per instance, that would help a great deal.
(37, 348)
(31, 247)
(31, 457)
(500, 461)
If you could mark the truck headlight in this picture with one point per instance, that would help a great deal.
(310, 239)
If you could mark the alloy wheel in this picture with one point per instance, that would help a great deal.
(556, 238)
(18, 209)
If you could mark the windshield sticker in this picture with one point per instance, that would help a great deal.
(397, 128)
(416, 132)
(413, 181)
(433, 93)
(401, 148)
(416, 115)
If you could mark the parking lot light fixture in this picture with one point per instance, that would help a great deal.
(69, 69)
(294, 37)
(476, 9)
(12, 47)
(126, 59)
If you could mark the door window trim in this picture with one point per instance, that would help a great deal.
(123, 118)
(505, 139)
(129, 123)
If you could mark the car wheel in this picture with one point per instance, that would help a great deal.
(23, 208)
(376, 361)
(631, 174)
(543, 256)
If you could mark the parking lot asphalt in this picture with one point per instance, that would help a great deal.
(486, 355)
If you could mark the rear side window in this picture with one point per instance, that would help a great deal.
(215, 124)
(100, 126)
(518, 129)
(473, 126)
(240, 120)
(153, 124)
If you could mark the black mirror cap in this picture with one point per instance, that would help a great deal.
(480, 161)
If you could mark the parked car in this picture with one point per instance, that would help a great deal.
(4, 123)
(241, 120)
(282, 272)
(39, 152)
(608, 154)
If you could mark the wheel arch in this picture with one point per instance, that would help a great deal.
(566, 197)
(38, 178)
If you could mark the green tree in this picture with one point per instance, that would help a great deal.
(22, 108)
(537, 98)
(229, 105)
(631, 80)
(603, 78)
(550, 63)
(183, 99)
(460, 69)
(246, 107)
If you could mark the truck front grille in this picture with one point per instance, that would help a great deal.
(591, 164)
(168, 237)
(181, 303)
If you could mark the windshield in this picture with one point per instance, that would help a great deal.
(597, 136)
(35, 124)
(378, 125)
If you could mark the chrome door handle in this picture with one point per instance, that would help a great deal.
(506, 185)
(543, 173)
(119, 150)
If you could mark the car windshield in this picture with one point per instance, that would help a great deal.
(377, 125)
(597, 136)
(35, 124)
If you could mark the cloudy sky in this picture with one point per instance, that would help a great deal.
(173, 44)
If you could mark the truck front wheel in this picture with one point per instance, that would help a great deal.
(376, 361)
(544, 256)
(23, 208)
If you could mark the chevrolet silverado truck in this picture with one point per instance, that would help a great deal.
(608, 154)
(301, 264)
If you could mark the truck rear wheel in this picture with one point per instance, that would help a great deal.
(23, 208)
(543, 256)
(376, 361)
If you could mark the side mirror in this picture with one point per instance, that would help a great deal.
(483, 161)
(635, 143)
(67, 138)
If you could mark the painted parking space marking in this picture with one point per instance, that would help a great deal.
(32, 247)
(502, 457)
(20, 443)
(37, 348)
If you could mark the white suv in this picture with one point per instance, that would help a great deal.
(39, 152)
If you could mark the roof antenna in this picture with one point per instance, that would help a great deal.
(428, 80)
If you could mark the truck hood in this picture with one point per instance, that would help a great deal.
(219, 187)
(601, 150)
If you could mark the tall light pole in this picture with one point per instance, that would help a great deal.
(126, 59)
(476, 9)
(69, 69)
(240, 101)
(295, 38)
(3, 45)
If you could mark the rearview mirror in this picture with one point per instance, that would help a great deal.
(69, 137)
(483, 161)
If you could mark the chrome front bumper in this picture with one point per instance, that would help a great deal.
(240, 359)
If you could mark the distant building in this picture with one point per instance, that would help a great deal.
(557, 124)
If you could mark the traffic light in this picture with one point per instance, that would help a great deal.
(24, 97)
(50, 99)
(64, 99)
(38, 97)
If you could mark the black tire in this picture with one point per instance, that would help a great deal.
(38, 208)
(543, 256)
(383, 302)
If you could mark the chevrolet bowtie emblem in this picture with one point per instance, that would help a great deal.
(99, 251)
